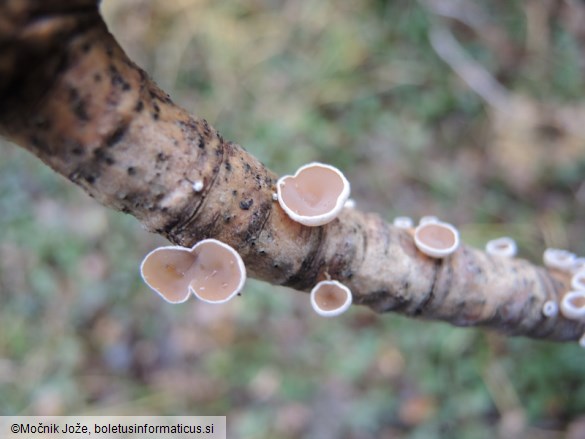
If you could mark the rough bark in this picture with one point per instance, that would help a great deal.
(70, 95)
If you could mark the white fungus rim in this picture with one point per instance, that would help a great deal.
(504, 246)
(578, 280)
(239, 262)
(569, 310)
(550, 308)
(156, 250)
(578, 265)
(316, 220)
(582, 341)
(428, 219)
(333, 312)
(403, 222)
(435, 252)
(559, 259)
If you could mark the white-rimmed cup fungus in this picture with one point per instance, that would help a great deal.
(582, 341)
(330, 298)
(167, 270)
(550, 308)
(559, 259)
(578, 281)
(315, 195)
(436, 239)
(573, 305)
(218, 272)
(504, 246)
(403, 222)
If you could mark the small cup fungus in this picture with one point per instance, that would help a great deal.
(436, 239)
(167, 270)
(504, 246)
(403, 222)
(330, 298)
(315, 195)
(573, 305)
(218, 272)
(550, 308)
(578, 280)
(213, 271)
(559, 259)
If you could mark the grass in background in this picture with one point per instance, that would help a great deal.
(356, 84)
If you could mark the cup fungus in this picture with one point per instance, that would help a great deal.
(436, 239)
(550, 308)
(315, 195)
(403, 222)
(167, 270)
(582, 341)
(578, 281)
(559, 259)
(330, 298)
(504, 246)
(218, 272)
(573, 305)
(213, 271)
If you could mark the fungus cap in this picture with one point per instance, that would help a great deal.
(403, 222)
(578, 281)
(504, 246)
(218, 272)
(315, 195)
(166, 270)
(559, 259)
(573, 305)
(550, 308)
(330, 298)
(436, 239)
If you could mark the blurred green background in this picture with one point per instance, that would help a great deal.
(357, 84)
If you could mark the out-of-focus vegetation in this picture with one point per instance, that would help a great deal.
(356, 84)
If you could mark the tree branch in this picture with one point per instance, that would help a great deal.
(70, 95)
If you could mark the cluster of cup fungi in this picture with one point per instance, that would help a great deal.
(314, 196)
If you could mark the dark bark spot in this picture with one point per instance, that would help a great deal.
(86, 47)
(234, 192)
(116, 136)
(228, 166)
(131, 170)
(161, 157)
(246, 204)
(78, 105)
(139, 106)
(89, 178)
(248, 168)
(97, 77)
(201, 142)
(117, 80)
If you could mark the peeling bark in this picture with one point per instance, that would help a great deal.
(70, 95)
